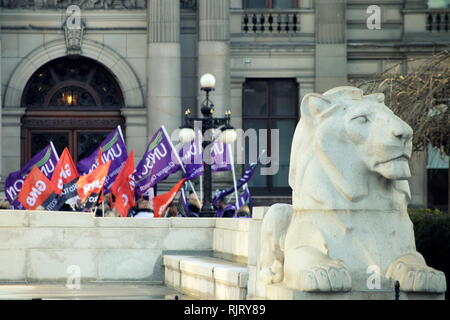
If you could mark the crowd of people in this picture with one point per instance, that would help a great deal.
(144, 209)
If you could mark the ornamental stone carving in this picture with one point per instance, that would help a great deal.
(74, 38)
(349, 171)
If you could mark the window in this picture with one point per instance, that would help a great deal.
(72, 101)
(271, 104)
(271, 4)
(72, 83)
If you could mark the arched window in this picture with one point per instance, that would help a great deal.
(73, 102)
(72, 83)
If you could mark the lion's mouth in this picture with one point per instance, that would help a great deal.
(403, 157)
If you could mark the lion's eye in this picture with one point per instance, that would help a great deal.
(362, 119)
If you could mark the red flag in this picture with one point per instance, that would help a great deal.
(161, 202)
(65, 172)
(36, 189)
(123, 187)
(93, 182)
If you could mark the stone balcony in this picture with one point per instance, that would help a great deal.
(426, 24)
(272, 25)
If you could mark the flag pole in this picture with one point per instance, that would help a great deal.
(54, 150)
(201, 188)
(180, 162)
(120, 132)
(230, 152)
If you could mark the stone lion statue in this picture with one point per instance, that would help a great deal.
(349, 171)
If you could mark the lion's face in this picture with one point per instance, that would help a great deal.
(344, 143)
(383, 141)
(355, 132)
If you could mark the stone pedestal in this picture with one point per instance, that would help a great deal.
(214, 50)
(164, 66)
(258, 290)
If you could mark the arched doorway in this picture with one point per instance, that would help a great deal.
(74, 102)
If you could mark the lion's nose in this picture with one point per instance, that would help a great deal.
(402, 131)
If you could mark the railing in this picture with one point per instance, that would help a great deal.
(266, 22)
(438, 21)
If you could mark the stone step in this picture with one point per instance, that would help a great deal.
(206, 277)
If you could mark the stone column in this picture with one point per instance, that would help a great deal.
(214, 50)
(163, 65)
(331, 47)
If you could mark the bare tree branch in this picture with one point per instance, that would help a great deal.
(421, 97)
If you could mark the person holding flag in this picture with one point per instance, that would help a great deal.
(123, 187)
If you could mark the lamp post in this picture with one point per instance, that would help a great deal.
(228, 135)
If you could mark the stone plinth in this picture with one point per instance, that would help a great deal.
(280, 292)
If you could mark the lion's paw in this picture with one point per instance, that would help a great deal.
(274, 274)
(418, 278)
(326, 278)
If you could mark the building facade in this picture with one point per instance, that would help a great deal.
(138, 63)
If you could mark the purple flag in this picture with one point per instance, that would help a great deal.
(114, 149)
(45, 160)
(244, 196)
(220, 157)
(248, 173)
(192, 157)
(157, 163)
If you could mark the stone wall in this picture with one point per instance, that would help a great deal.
(40, 246)
(231, 241)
